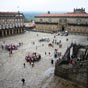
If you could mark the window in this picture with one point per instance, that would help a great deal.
(41, 20)
(62, 20)
(65, 20)
(49, 20)
(78, 21)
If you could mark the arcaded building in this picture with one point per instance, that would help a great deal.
(74, 22)
(11, 23)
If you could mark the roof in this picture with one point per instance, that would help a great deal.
(8, 12)
(29, 24)
(64, 15)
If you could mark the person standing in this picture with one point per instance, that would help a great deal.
(24, 65)
(36, 47)
(2, 47)
(10, 52)
(32, 63)
(23, 81)
(49, 53)
(45, 53)
(52, 61)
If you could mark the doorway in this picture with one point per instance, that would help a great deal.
(63, 29)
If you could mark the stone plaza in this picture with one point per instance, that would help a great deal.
(12, 69)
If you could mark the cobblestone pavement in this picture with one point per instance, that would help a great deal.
(12, 69)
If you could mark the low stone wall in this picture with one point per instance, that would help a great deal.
(78, 75)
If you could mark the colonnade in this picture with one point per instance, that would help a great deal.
(12, 31)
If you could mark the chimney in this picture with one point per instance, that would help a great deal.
(48, 12)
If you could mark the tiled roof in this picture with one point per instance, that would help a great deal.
(29, 24)
(64, 15)
(8, 12)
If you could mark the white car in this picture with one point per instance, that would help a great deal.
(44, 39)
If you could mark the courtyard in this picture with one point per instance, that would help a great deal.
(12, 67)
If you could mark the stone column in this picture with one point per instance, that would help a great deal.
(9, 32)
(5, 32)
(18, 31)
(2, 31)
(21, 30)
(12, 31)
(15, 31)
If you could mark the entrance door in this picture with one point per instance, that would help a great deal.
(63, 28)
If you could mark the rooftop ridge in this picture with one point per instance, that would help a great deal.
(64, 14)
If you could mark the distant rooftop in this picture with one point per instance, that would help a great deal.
(79, 10)
(76, 13)
(8, 12)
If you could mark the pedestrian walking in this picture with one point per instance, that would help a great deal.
(45, 53)
(67, 39)
(52, 61)
(24, 65)
(42, 44)
(2, 47)
(23, 81)
(32, 63)
(33, 43)
(49, 53)
(37, 34)
(10, 52)
(36, 47)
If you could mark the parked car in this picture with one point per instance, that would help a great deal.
(66, 33)
(44, 39)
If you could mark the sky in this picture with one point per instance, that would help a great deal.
(42, 5)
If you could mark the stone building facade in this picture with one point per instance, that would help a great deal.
(75, 22)
(11, 23)
(76, 67)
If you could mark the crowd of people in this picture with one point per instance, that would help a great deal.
(10, 47)
(33, 57)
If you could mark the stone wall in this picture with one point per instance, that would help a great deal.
(78, 75)
(42, 27)
(72, 24)
(78, 29)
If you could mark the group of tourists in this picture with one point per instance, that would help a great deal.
(33, 57)
(10, 47)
